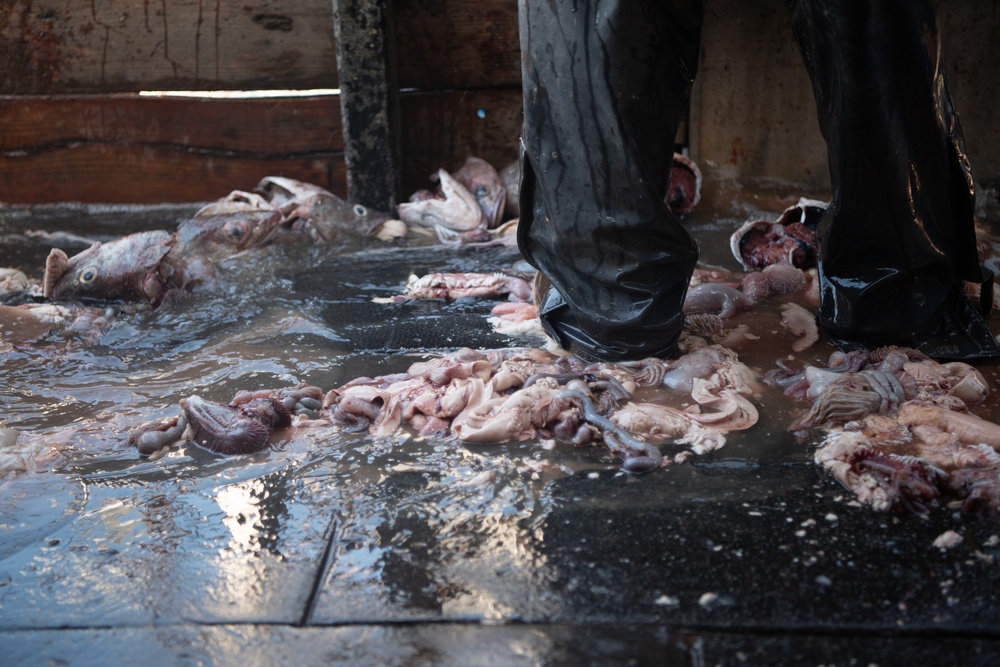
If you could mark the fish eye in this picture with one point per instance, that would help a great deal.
(236, 229)
(360, 210)
(481, 191)
(88, 276)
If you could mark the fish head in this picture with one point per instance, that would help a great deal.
(125, 269)
(484, 182)
(808, 212)
(458, 210)
(332, 218)
(684, 190)
(319, 212)
(228, 226)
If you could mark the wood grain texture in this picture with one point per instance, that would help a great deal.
(131, 149)
(104, 46)
(67, 46)
(278, 126)
(148, 175)
(752, 112)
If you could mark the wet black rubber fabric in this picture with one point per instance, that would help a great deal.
(606, 85)
(898, 240)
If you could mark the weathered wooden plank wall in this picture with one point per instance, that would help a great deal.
(461, 62)
(64, 139)
(458, 44)
(131, 149)
(458, 67)
(104, 46)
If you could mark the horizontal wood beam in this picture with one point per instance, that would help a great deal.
(67, 46)
(132, 149)
(107, 46)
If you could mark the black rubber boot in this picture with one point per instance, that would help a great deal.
(606, 84)
(897, 242)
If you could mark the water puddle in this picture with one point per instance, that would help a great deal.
(325, 526)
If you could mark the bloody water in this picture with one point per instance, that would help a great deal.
(326, 527)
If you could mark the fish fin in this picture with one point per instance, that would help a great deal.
(56, 266)
(447, 236)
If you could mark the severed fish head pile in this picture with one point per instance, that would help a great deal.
(145, 266)
(477, 204)
(468, 206)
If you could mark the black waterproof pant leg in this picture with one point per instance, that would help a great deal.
(606, 83)
(897, 242)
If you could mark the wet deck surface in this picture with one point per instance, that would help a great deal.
(332, 547)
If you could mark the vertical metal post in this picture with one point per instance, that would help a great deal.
(369, 101)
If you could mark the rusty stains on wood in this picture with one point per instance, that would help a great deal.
(64, 46)
(30, 44)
